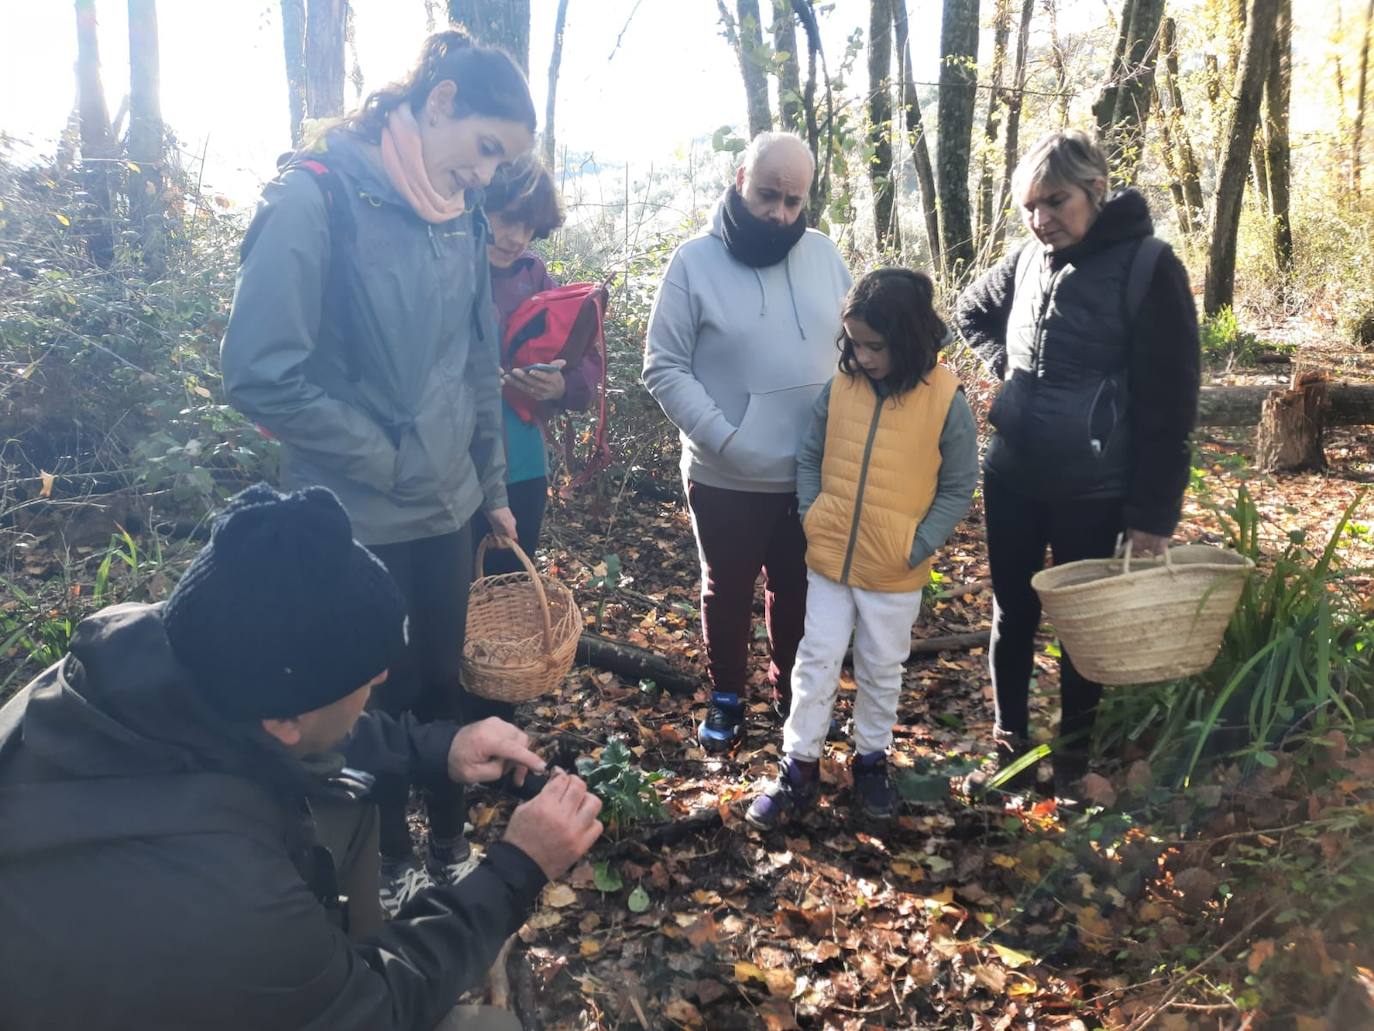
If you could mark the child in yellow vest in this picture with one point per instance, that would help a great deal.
(884, 474)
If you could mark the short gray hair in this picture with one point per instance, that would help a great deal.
(1070, 157)
(766, 141)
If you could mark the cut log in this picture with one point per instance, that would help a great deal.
(1350, 404)
(635, 663)
(1292, 425)
(935, 645)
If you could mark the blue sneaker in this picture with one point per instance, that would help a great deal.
(790, 795)
(874, 794)
(720, 731)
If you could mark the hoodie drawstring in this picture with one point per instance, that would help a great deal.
(763, 294)
(792, 293)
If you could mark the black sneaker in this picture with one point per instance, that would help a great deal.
(400, 881)
(720, 731)
(449, 863)
(792, 793)
(873, 790)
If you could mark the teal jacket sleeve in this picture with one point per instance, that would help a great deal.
(956, 481)
(273, 328)
(810, 452)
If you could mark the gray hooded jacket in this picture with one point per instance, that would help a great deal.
(389, 394)
(736, 356)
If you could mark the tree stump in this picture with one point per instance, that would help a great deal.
(1292, 426)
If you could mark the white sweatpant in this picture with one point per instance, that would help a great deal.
(881, 624)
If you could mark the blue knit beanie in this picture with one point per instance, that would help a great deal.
(283, 611)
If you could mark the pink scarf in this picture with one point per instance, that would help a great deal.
(405, 167)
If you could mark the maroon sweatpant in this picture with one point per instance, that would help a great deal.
(740, 533)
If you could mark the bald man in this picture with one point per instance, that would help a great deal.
(741, 339)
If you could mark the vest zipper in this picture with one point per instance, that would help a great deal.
(433, 243)
(859, 491)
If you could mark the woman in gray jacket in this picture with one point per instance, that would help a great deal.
(362, 337)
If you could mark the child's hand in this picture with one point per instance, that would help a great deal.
(537, 383)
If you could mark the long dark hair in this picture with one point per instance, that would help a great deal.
(489, 83)
(899, 305)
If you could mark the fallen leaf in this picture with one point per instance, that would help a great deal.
(589, 948)
(781, 982)
(683, 1012)
(778, 1016)
(1011, 957)
(48, 479)
(1260, 953)
(1098, 790)
(638, 901)
(746, 972)
(544, 919)
(559, 895)
(992, 978)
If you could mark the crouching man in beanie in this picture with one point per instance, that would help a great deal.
(181, 844)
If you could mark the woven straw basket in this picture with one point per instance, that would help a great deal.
(1144, 621)
(522, 632)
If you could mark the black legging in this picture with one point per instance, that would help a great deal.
(1019, 528)
(434, 574)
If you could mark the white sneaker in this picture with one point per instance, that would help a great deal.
(401, 883)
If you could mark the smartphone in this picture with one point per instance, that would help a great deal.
(538, 367)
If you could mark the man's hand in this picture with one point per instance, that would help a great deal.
(1144, 544)
(540, 384)
(485, 750)
(557, 826)
(502, 524)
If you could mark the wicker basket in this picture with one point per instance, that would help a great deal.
(1144, 621)
(522, 632)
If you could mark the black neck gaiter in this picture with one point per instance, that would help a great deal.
(752, 240)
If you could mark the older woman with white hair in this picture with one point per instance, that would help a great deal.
(1092, 329)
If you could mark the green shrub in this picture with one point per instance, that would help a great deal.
(627, 793)
(1296, 661)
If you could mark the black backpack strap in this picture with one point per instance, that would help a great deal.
(343, 237)
(1142, 273)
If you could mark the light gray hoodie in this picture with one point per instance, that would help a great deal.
(736, 356)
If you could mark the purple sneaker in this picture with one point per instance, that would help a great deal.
(791, 794)
(873, 790)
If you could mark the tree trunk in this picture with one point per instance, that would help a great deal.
(1350, 404)
(293, 43)
(820, 182)
(1356, 162)
(1257, 163)
(1001, 33)
(1061, 67)
(916, 134)
(1292, 427)
(1277, 95)
(1105, 104)
(1189, 175)
(790, 115)
(753, 65)
(1123, 109)
(1221, 259)
(1011, 148)
(497, 23)
(554, 62)
(958, 87)
(880, 118)
(97, 142)
(325, 25)
(146, 137)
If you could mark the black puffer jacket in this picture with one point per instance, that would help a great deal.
(1095, 404)
(150, 864)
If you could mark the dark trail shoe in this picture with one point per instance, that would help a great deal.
(791, 794)
(1010, 748)
(873, 790)
(724, 723)
(449, 863)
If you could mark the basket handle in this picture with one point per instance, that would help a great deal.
(479, 563)
(1125, 550)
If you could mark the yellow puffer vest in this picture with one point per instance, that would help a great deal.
(879, 473)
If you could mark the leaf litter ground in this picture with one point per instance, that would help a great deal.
(1005, 914)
